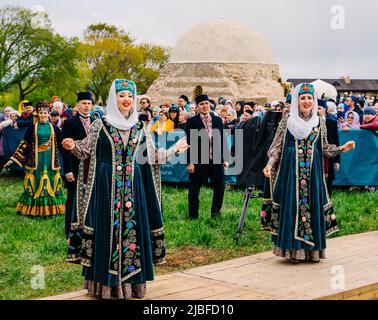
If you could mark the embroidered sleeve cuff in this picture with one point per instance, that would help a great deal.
(171, 153)
(164, 156)
(271, 162)
(76, 152)
(16, 162)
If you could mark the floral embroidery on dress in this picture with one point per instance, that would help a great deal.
(87, 247)
(124, 227)
(305, 157)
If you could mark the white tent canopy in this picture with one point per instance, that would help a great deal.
(326, 89)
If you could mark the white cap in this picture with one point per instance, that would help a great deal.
(274, 103)
(58, 104)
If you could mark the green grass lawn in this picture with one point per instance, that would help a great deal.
(25, 243)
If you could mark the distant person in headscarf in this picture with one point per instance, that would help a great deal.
(53, 100)
(259, 112)
(231, 124)
(332, 110)
(184, 116)
(5, 114)
(14, 116)
(21, 106)
(354, 105)
(352, 121)
(155, 114)
(98, 113)
(8, 121)
(231, 119)
(341, 112)
(229, 104)
(192, 110)
(59, 107)
(239, 107)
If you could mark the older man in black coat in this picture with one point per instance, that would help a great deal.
(206, 158)
(76, 128)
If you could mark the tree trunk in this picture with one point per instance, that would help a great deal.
(22, 92)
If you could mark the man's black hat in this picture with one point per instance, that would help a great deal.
(84, 96)
(202, 98)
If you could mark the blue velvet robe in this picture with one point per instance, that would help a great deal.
(117, 231)
(297, 209)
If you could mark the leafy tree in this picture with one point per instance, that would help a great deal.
(111, 53)
(36, 63)
(31, 55)
(15, 28)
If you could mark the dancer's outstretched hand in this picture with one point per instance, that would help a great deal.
(349, 146)
(268, 171)
(182, 145)
(68, 144)
(8, 164)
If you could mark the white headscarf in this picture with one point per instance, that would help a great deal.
(332, 105)
(356, 119)
(114, 117)
(297, 126)
(4, 116)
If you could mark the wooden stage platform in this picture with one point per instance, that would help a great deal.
(352, 260)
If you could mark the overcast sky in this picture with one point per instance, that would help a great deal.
(299, 32)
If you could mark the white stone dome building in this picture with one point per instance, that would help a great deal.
(226, 58)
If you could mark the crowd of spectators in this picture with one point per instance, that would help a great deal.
(350, 112)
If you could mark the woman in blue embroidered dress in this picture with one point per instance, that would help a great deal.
(297, 209)
(117, 231)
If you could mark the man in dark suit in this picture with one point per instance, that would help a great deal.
(332, 165)
(206, 161)
(76, 128)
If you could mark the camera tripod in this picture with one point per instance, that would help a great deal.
(250, 193)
